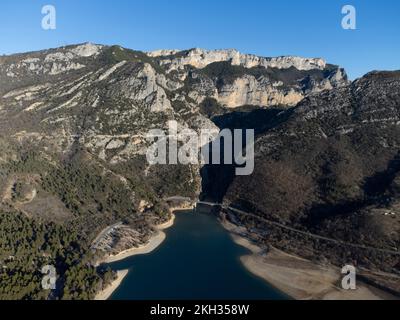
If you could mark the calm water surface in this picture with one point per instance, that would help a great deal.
(198, 260)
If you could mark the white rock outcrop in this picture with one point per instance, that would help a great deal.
(200, 58)
(87, 50)
(249, 91)
(143, 86)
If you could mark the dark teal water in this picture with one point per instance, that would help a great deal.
(198, 260)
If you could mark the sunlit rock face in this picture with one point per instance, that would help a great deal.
(200, 58)
(121, 92)
(236, 79)
(329, 166)
(105, 99)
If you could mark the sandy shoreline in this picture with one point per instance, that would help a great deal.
(153, 243)
(299, 278)
(107, 292)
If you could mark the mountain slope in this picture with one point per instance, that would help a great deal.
(330, 169)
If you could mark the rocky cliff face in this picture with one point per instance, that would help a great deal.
(73, 125)
(105, 99)
(91, 90)
(199, 58)
(329, 167)
(236, 79)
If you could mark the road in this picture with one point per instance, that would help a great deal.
(308, 234)
(103, 233)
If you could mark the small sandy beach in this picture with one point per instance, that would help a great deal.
(107, 292)
(299, 278)
(153, 243)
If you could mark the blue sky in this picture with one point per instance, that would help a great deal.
(310, 28)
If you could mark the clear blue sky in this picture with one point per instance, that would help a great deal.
(310, 28)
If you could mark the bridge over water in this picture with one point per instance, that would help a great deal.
(301, 232)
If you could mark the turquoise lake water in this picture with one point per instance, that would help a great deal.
(197, 260)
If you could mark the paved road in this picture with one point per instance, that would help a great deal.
(178, 198)
(103, 233)
(308, 234)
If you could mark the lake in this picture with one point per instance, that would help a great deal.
(198, 260)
